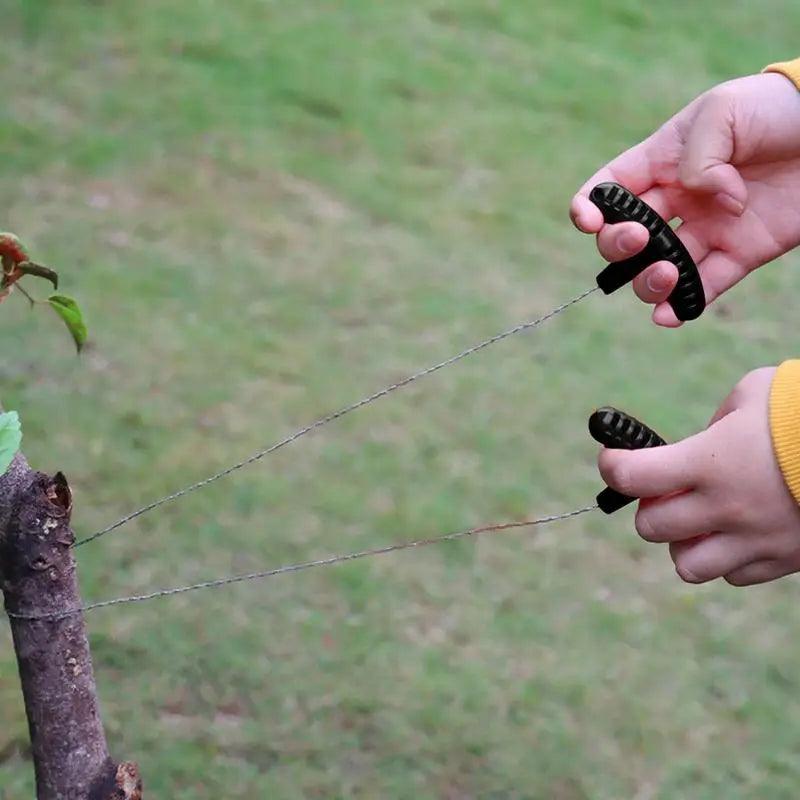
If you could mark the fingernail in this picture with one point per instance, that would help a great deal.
(656, 282)
(687, 575)
(731, 204)
(628, 243)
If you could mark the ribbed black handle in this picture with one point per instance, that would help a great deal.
(619, 205)
(620, 431)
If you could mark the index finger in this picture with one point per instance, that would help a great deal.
(633, 169)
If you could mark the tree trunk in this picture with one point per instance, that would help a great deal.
(38, 577)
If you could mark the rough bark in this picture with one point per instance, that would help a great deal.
(38, 577)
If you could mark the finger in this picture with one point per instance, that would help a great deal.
(585, 215)
(676, 518)
(705, 162)
(696, 243)
(660, 199)
(633, 169)
(623, 240)
(664, 316)
(616, 242)
(657, 471)
(719, 271)
(656, 283)
(769, 569)
(716, 555)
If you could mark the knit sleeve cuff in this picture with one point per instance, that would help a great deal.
(791, 69)
(784, 420)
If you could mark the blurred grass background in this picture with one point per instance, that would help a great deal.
(269, 209)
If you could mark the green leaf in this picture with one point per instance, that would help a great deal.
(68, 310)
(10, 439)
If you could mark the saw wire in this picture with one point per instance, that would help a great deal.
(293, 437)
(304, 565)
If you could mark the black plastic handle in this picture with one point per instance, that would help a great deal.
(620, 431)
(619, 205)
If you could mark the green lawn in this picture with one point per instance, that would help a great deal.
(269, 209)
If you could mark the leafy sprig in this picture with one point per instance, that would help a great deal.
(16, 265)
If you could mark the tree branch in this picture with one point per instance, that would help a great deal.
(38, 576)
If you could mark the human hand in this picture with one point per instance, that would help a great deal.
(728, 166)
(717, 498)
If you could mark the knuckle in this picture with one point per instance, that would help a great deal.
(735, 512)
(718, 100)
(689, 176)
(721, 95)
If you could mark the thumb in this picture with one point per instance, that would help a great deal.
(705, 162)
(656, 471)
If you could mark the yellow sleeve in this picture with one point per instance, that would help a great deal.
(784, 421)
(791, 69)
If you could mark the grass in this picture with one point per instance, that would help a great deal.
(269, 209)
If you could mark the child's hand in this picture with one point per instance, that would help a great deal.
(718, 498)
(727, 165)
